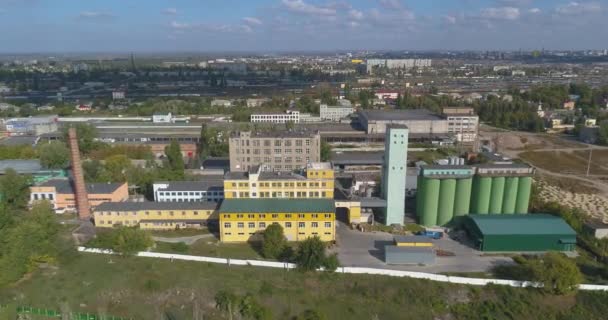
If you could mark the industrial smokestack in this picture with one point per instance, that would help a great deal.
(80, 189)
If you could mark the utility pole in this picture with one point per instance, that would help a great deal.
(589, 162)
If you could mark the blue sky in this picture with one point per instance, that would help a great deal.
(283, 25)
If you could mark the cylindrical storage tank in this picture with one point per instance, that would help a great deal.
(509, 200)
(419, 195)
(462, 201)
(447, 193)
(483, 189)
(498, 191)
(523, 195)
(430, 202)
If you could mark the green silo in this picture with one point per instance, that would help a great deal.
(510, 198)
(430, 202)
(419, 195)
(482, 189)
(523, 195)
(447, 192)
(462, 202)
(496, 196)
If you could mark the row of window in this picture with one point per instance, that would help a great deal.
(241, 225)
(279, 194)
(191, 193)
(277, 143)
(269, 151)
(276, 215)
(163, 199)
(269, 159)
(278, 184)
(134, 213)
(253, 233)
(43, 196)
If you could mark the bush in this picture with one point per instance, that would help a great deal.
(311, 255)
(557, 273)
(311, 315)
(331, 262)
(123, 240)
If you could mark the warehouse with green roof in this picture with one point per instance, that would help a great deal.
(520, 233)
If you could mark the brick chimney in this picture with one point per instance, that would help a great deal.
(80, 189)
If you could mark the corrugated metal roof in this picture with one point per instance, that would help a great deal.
(277, 205)
(529, 224)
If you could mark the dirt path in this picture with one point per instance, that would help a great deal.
(186, 240)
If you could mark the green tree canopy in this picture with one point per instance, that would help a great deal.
(310, 254)
(14, 189)
(117, 167)
(274, 242)
(86, 134)
(54, 155)
(175, 159)
(557, 273)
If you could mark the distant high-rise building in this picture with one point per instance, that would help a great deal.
(394, 173)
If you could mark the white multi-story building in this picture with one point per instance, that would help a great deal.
(189, 191)
(289, 116)
(335, 113)
(463, 123)
(118, 95)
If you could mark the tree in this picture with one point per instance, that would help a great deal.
(14, 189)
(310, 254)
(54, 155)
(274, 242)
(175, 160)
(123, 240)
(557, 273)
(117, 167)
(86, 135)
(325, 151)
(603, 133)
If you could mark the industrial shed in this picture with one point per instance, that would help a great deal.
(515, 233)
(409, 255)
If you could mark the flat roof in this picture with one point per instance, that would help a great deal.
(400, 115)
(526, 224)
(277, 206)
(65, 186)
(264, 176)
(279, 134)
(319, 165)
(412, 239)
(148, 205)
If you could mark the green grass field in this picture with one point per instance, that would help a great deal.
(146, 288)
(213, 248)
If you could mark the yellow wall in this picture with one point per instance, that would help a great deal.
(354, 210)
(106, 219)
(244, 227)
(414, 244)
(310, 188)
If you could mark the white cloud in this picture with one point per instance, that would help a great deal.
(391, 4)
(300, 6)
(449, 19)
(575, 8)
(170, 11)
(95, 15)
(252, 21)
(355, 14)
(502, 13)
(534, 10)
(179, 25)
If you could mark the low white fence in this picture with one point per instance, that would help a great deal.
(352, 270)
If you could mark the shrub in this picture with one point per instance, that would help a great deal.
(274, 242)
(180, 247)
(311, 255)
(123, 240)
(331, 262)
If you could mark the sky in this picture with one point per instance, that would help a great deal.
(300, 25)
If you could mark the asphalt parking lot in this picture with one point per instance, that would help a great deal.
(366, 249)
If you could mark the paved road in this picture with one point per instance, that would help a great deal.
(358, 249)
(186, 240)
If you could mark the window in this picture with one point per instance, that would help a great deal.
(327, 224)
(196, 213)
(298, 143)
(240, 225)
(275, 216)
(277, 143)
(301, 215)
(251, 225)
(301, 224)
(234, 184)
(171, 213)
(262, 224)
(183, 213)
(315, 224)
(278, 151)
(327, 215)
(287, 224)
(147, 213)
(227, 225)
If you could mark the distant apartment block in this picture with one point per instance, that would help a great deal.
(397, 64)
(463, 123)
(274, 151)
(162, 118)
(335, 113)
(288, 116)
(211, 190)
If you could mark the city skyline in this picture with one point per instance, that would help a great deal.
(300, 25)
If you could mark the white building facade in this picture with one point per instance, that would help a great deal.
(289, 116)
(335, 113)
(188, 191)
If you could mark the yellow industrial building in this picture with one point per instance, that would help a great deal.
(156, 215)
(246, 219)
(318, 182)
